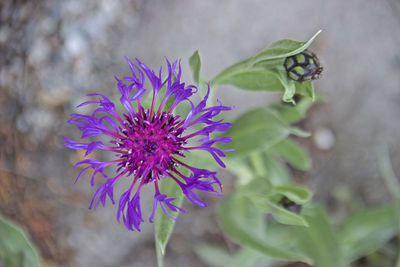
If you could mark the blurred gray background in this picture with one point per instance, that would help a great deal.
(52, 53)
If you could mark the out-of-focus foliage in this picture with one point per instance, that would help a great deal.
(15, 248)
(294, 230)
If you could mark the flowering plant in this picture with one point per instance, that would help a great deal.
(153, 141)
(150, 144)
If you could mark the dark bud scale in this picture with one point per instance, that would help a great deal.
(303, 67)
(290, 205)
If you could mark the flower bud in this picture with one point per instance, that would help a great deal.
(302, 67)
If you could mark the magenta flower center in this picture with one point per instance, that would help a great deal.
(149, 142)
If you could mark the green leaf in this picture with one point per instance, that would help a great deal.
(15, 248)
(289, 87)
(242, 170)
(216, 256)
(318, 241)
(295, 193)
(160, 255)
(284, 48)
(195, 65)
(289, 91)
(306, 89)
(281, 214)
(255, 73)
(199, 159)
(293, 113)
(245, 224)
(213, 255)
(256, 130)
(277, 172)
(254, 79)
(292, 153)
(164, 225)
(366, 231)
(258, 186)
(249, 257)
(237, 67)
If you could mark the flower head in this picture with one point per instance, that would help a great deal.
(304, 66)
(149, 143)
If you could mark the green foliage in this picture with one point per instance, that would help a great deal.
(293, 113)
(318, 241)
(195, 65)
(297, 194)
(163, 224)
(279, 213)
(277, 172)
(265, 71)
(266, 197)
(294, 229)
(292, 153)
(15, 248)
(365, 231)
(256, 130)
(245, 224)
(284, 48)
(254, 79)
(215, 256)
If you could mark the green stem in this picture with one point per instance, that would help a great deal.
(258, 164)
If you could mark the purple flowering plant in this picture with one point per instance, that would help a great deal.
(153, 138)
(150, 143)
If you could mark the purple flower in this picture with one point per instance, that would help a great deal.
(148, 143)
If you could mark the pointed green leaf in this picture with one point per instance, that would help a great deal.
(256, 130)
(293, 153)
(159, 255)
(195, 65)
(265, 71)
(164, 225)
(254, 79)
(284, 48)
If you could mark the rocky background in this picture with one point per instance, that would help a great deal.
(54, 52)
